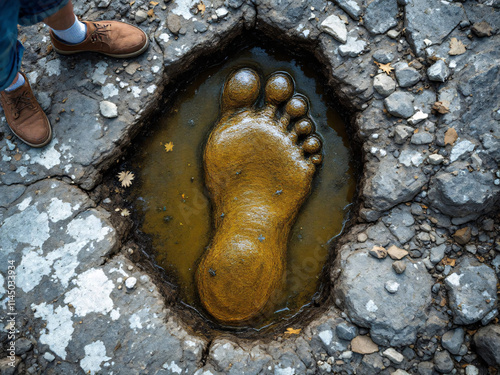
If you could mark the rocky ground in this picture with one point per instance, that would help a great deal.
(415, 282)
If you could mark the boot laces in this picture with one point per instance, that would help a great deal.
(21, 102)
(99, 32)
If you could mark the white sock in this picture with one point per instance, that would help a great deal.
(74, 35)
(19, 83)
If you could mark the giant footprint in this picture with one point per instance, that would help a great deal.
(258, 174)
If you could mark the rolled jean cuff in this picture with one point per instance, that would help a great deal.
(15, 66)
(40, 11)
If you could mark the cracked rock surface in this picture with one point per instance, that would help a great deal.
(428, 135)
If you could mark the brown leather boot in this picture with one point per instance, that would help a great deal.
(111, 38)
(25, 117)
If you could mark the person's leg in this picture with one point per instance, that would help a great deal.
(66, 26)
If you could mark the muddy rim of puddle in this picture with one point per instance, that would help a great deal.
(139, 245)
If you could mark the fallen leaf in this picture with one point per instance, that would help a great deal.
(151, 13)
(125, 212)
(132, 3)
(201, 7)
(386, 68)
(169, 146)
(17, 157)
(126, 178)
(450, 137)
(443, 302)
(153, 3)
(441, 107)
(449, 262)
(291, 331)
(456, 47)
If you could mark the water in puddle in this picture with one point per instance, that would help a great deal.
(170, 195)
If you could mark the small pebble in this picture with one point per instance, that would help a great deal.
(399, 266)
(130, 283)
(378, 252)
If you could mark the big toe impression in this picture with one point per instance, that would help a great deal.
(241, 89)
(279, 88)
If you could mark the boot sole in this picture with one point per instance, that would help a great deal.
(119, 56)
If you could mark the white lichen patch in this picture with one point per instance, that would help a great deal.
(59, 210)
(2, 285)
(31, 270)
(95, 354)
(109, 90)
(135, 321)
(14, 231)
(284, 371)
(173, 367)
(371, 306)
(47, 157)
(115, 314)
(88, 229)
(164, 37)
(99, 75)
(326, 336)
(454, 279)
(92, 294)
(59, 328)
(53, 67)
(24, 204)
(182, 8)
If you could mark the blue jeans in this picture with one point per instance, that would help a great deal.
(22, 12)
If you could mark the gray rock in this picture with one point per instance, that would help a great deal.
(371, 364)
(174, 23)
(383, 56)
(334, 26)
(393, 318)
(384, 84)
(487, 342)
(443, 362)
(437, 253)
(400, 222)
(422, 138)
(425, 368)
(435, 159)
(43, 99)
(351, 7)
(471, 370)
(423, 20)
(393, 355)
(108, 109)
(401, 133)
(453, 340)
(399, 266)
(400, 104)
(141, 16)
(353, 45)
(23, 345)
(406, 75)
(461, 148)
(463, 194)
(346, 331)
(470, 305)
(380, 16)
(438, 71)
(391, 286)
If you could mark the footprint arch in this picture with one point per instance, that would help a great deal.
(258, 164)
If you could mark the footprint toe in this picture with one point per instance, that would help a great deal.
(279, 88)
(312, 145)
(241, 89)
(304, 127)
(296, 107)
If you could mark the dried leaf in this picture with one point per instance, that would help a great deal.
(132, 3)
(201, 7)
(443, 302)
(441, 107)
(126, 178)
(153, 3)
(449, 262)
(456, 47)
(17, 157)
(450, 137)
(291, 331)
(151, 13)
(125, 212)
(386, 68)
(169, 146)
